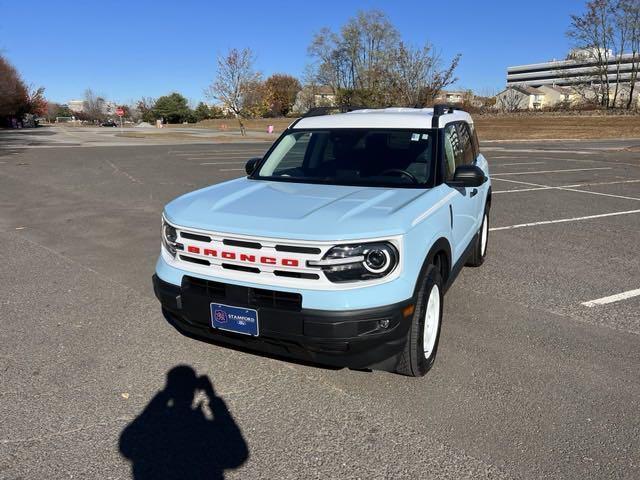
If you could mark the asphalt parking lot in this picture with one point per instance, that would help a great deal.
(537, 376)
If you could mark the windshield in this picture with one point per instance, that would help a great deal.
(352, 157)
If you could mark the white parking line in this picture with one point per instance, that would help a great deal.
(536, 150)
(568, 189)
(213, 153)
(563, 220)
(612, 298)
(553, 171)
(232, 169)
(221, 163)
(493, 165)
(218, 157)
(560, 187)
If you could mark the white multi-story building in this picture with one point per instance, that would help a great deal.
(581, 68)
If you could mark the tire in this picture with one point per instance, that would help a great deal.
(420, 351)
(480, 243)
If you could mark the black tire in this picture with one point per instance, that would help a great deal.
(413, 362)
(479, 250)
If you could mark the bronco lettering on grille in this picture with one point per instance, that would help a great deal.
(243, 257)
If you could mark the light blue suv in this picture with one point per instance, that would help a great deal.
(338, 245)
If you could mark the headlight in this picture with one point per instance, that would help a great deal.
(169, 238)
(349, 263)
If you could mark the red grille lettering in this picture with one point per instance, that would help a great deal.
(192, 249)
(287, 262)
(268, 260)
(247, 258)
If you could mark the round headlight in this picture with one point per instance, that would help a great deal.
(377, 260)
(354, 262)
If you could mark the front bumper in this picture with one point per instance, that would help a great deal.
(353, 338)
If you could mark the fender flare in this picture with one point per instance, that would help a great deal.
(441, 244)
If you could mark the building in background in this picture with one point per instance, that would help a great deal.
(581, 78)
(451, 97)
(581, 68)
(314, 96)
(76, 106)
(517, 98)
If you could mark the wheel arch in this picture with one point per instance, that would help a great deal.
(440, 248)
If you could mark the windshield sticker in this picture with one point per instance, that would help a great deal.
(415, 137)
(425, 136)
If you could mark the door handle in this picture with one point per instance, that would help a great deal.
(474, 192)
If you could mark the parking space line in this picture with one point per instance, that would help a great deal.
(232, 169)
(558, 187)
(510, 164)
(553, 171)
(531, 150)
(563, 220)
(612, 298)
(221, 163)
(567, 189)
(534, 189)
(216, 152)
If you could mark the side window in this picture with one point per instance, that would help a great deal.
(466, 143)
(474, 139)
(453, 153)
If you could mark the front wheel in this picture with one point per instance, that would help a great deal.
(420, 350)
(480, 243)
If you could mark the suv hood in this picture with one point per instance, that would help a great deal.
(297, 210)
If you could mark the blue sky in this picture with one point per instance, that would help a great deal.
(128, 49)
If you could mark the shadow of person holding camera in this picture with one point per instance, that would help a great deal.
(185, 432)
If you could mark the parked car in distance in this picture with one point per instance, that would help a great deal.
(109, 123)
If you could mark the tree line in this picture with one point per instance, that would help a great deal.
(364, 64)
(16, 98)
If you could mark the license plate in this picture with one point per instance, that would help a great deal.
(234, 319)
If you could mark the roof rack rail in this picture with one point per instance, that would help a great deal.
(319, 111)
(440, 109)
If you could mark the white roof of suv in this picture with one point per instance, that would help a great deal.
(418, 118)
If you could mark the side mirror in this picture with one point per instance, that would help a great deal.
(467, 176)
(251, 165)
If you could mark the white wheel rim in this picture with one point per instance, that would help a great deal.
(431, 321)
(485, 235)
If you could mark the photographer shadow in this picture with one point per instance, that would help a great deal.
(185, 432)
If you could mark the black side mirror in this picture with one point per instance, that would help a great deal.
(251, 165)
(467, 176)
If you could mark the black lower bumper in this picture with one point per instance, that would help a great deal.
(369, 338)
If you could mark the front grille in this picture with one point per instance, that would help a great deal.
(275, 299)
(240, 268)
(296, 249)
(195, 236)
(199, 261)
(287, 273)
(242, 296)
(266, 261)
(242, 243)
(209, 288)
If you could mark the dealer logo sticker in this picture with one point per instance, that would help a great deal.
(220, 316)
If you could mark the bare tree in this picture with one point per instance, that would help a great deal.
(359, 58)
(419, 76)
(93, 105)
(366, 63)
(235, 82)
(629, 18)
